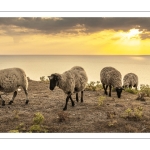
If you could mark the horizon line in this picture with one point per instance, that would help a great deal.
(75, 55)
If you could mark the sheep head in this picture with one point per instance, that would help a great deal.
(119, 91)
(54, 79)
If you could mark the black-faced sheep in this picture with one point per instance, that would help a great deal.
(130, 80)
(10, 80)
(111, 77)
(71, 81)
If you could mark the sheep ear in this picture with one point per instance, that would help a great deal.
(50, 77)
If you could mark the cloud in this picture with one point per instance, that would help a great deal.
(72, 25)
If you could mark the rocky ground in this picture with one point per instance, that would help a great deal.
(97, 114)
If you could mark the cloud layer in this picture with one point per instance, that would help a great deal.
(73, 25)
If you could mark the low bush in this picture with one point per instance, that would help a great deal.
(93, 86)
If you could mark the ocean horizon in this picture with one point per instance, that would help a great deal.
(37, 66)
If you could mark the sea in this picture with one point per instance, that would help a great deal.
(37, 66)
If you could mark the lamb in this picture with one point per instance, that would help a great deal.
(71, 81)
(10, 80)
(130, 80)
(111, 77)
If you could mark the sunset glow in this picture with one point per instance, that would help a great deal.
(74, 36)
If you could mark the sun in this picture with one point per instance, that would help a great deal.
(132, 33)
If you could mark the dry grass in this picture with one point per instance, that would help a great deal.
(86, 117)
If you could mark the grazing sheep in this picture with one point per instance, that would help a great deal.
(109, 76)
(10, 80)
(71, 81)
(130, 80)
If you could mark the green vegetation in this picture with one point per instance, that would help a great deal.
(133, 91)
(43, 79)
(145, 89)
(93, 86)
(101, 100)
(143, 92)
(133, 113)
(36, 127)
(13, 131)
(37, 121)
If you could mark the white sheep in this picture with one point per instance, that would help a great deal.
(71, 81)
(10, 80)
(130, 80)
(111, 77)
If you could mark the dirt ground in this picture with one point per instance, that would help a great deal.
(91, 116)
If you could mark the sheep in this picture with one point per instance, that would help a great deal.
(111, 77)
(10, 80)
(71, 81)
(130, 80)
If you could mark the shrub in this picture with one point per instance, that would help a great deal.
(101, 100)
(133, 91)
(43, 79)
(38, 119)
(133, 114)
(145, 89)
(93, 86)
(37, 123)
(35, 128)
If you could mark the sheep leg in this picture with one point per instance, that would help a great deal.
(27, 100)
(135, 86)
(105, 89)
(81, 96)
(67, 99)
(3, 102)
(77, 98)
(14, 95)
(71, 100)
(109, 90)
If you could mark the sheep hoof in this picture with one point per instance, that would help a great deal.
(10, 102)
(64, 108)
(73, 104)
(3, 103)
(27, 101)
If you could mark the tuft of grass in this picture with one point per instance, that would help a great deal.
(35, 128)
(144, 92)
(111, 115)
(13, 131)
(38, 119)
(93, 86)
(132, 91)
(133, 113)
(145, 89)
(16, 114)
(37, 123)
(101, 100)
(112, 123)
(21, 127)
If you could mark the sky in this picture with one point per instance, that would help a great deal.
(75, 36)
